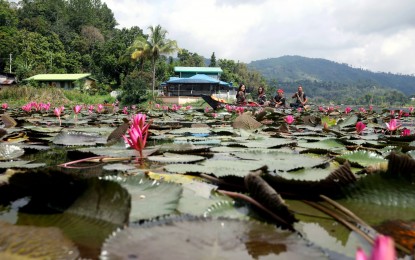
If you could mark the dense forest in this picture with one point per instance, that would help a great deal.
(81, 36)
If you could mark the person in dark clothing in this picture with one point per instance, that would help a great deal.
(262, 98)
(279, 99)
(301, 98)
(241, 95)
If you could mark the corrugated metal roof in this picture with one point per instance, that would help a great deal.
(199, 69)
(57, 77)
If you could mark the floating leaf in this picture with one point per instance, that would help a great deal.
(72, 138)
(222, 239)
(217, 167)
(176, 158)
(246, 121)
(362, 158)
(146, 201)
(349, 121)
(10, 151)
(279, 161)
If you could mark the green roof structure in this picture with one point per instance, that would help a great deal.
(203, 70)
(59, 77)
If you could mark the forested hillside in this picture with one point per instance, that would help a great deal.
(80, 36)
(326, 79)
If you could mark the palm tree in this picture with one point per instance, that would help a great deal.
(151, 48)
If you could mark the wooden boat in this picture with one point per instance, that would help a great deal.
(217, 103)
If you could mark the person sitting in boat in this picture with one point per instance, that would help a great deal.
(262, 98)
(279, 99)
(301, 98)
(241, 95)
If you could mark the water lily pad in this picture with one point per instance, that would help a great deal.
(222, 239)
(278, 161)
(263, 143)
(217, 167)
(146, 201)
(72, 138)
(195, 130)
(176, 158)
(362, 158)
(10, 151)
(184, 148)
(330, 145)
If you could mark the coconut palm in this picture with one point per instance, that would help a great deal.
(151, 48)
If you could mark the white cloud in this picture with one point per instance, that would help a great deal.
(370, 34)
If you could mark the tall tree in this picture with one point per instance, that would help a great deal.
(212, 60)
(189, 59)
(153, 47)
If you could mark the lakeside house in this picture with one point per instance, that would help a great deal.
(190, 83)
(7, 79)
(66, 81)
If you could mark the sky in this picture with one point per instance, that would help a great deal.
(377, 35)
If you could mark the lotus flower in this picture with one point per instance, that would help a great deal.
(360, 126)
(370, 108)
(4, 106)
(406, 132)
(125, 110)
(27, 107)
(362, 110)
(347, 110)
(411, 109)
(91, 109)
(137, 133)
(392, 125)
(58, 111)
(77, 109)
(100, 108)
(188, 107)
(384, 249)
(289, 119)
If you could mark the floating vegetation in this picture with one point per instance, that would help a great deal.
(222, 184)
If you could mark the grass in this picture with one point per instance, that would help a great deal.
(20, 95)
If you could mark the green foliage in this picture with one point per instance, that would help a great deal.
(189, 59)
(134, 89)
(212, 60)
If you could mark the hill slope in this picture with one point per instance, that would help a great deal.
(297, 68)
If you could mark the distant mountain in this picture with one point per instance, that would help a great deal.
(297, 68)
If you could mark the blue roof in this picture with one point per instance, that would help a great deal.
(197, 79)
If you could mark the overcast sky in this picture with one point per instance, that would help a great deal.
(378, 35)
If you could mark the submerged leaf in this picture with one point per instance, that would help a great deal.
(28, 242)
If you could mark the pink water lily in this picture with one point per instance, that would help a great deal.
(383, 249)
(100, 108)
(137, 133)
(392, 125)
(125, 111)
(411, 109)
(4, 106)
(58, 111)
(347, 110)
(289, 119)
(77, 109)
(157, 106)
(406, 132)
(360, 126)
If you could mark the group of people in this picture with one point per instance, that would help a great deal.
(278, 101)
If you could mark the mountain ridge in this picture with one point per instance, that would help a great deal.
(293, 68)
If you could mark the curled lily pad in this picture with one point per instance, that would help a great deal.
(29, 242)
(10, 151)
(222, 239)
(176, 158)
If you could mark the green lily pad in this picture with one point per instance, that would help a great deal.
(10, 151)
(362, 158)
(278, 161)
(222, 239)
(146, 201)
(217, 167)
(72, 138)
(176, 158)
(330, 145)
